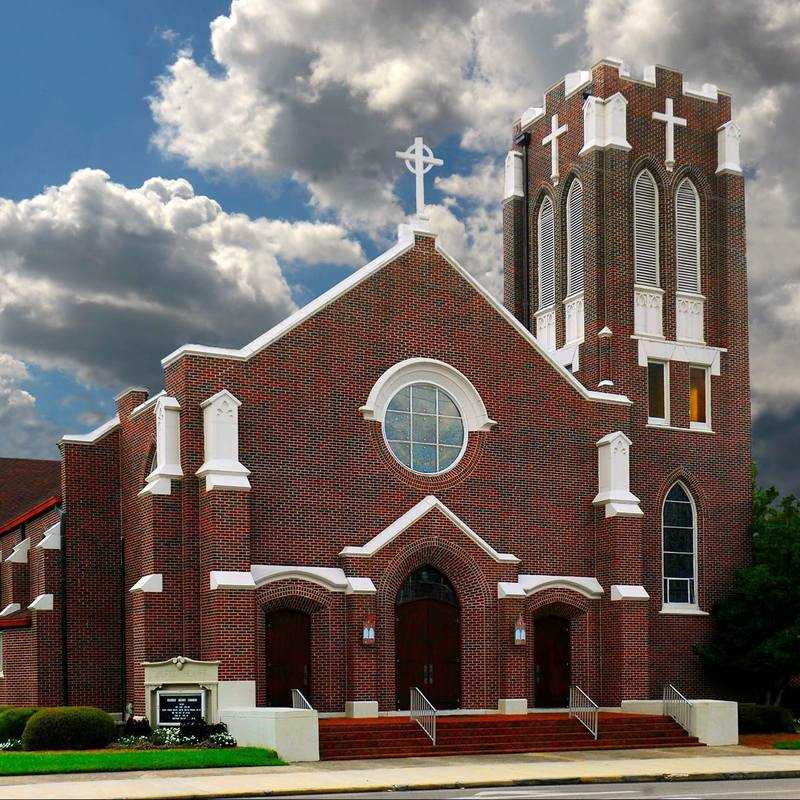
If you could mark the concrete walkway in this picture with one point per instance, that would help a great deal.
(416, 773)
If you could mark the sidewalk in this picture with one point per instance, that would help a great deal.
(416, 773)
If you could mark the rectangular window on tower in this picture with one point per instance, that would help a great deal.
(699, 398)
(657, 393)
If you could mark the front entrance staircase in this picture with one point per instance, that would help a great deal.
(466, 734)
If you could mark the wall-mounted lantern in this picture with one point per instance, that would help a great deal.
(368, 632)
(519, 631)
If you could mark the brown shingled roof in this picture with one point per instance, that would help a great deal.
(26, 483)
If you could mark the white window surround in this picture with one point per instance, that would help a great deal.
(682, 608)
(694, 354)
(428, 370)
(405, 242)
(414, 514)
(658, 422)
(703, 426)
(687, 237)
(646, 232)
(527, 585)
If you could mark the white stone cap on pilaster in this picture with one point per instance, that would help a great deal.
(628, 592)
(613, 477)
(19, 555)
(10, 609)
(221, 468)
(168, 447)
(360, 586)
(513, 175)
(729, 137)
(225, 579)
(43, 602)
(51, 539)
(153, 583)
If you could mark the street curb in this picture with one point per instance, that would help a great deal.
(666, 777)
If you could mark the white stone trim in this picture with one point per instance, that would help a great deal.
(428, 370)
(221, 468)
(648, 304)
(414, 514)
(683, 610)
(628, 592)
(530, 115)
(598, 397)
(168, 447)
(52, 538)
(708, 91)
(130, 389)
(575, 81)
(513, 175)
(605, 124)
(699, 355)
(331, 578)
(613, 477)
(43, 602)
(360, 586)
(405, 243)
(149, 403)
(689, 317)
(93, 436)
(729, 137)
(19, 555)
(10, 609)
(568, 356)
(153, 583)
(527, 585)
(224, 579)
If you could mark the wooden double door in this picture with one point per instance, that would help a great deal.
(428, 643)
(288, 656)
(551, 660)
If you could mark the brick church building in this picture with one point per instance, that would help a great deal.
(408, 483)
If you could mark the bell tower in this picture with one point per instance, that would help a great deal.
(624, 240)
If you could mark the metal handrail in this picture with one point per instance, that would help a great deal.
(299, 700)
(423, 713)
(584, 709)
(675, 705)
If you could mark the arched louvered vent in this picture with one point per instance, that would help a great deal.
(575, 238)
(645, 229)
(687, 237)
(547, 255)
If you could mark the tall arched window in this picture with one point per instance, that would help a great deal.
(645, 229)
(575, 238)
(687, 237)
(547, 254)
(679, 547)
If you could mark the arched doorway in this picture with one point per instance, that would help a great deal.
(428, 639)
(551, 660)
(288, 661)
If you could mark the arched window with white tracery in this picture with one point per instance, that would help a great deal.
(547, 254)
(679, 547)
(687, 237)
(645, 229)
(575, 238)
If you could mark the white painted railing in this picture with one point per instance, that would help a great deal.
(299, 700)
(423, 713)
(677, 707)
(584, 709)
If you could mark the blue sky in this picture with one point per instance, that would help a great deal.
(200, 193)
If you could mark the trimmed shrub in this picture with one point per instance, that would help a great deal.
(201, 730)
(754, 718)
(72, 728)
(13, 721)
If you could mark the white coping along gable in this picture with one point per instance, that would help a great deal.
(406, 240)
(414, 514)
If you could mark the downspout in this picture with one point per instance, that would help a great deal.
(123, 659)
(522, 140)
(64, 630)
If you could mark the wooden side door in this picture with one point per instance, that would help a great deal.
(551, 658)
(411, 648)
(288, 643)
(443, 687)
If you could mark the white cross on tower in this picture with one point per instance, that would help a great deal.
(552, 140)
(419, 160)
(671, 121)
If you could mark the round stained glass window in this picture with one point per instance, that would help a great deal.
(423, 429)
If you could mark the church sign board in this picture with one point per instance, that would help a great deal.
(173, 708)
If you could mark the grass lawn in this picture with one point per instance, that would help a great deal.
(792, 744)
(24, 763)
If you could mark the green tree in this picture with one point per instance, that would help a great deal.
(756, 639)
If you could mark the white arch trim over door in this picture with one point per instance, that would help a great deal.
(531, 584)
(331, 578)
(428, 370)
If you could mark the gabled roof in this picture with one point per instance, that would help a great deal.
(27, 487)
(415, 513)
(406, 239)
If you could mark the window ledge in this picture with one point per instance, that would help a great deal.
(700, 426)
(686, 611)
(674, 428)
(657, 422)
